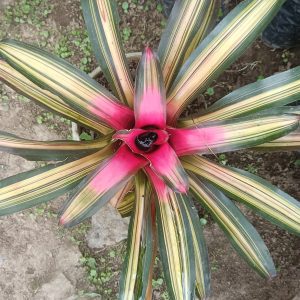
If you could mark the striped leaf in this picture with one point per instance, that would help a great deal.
(163, 160)
(102, 21)
(272, 203)
(41, 185)
(187, 25)
(43, 97)
(218, 50)
(174, 240)
(100, 187)
(274, 91)
(126, 206)
(290, 142)
(242, 235)
(150, 95)
(119, 196)
(200, 250)
(165, 163)
(53, 150)
(137, 264)
(75, 87)
(232, 134)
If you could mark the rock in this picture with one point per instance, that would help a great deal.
(108, 228)
(33, 256)
(59, 288)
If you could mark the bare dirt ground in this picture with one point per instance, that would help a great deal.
(39, 260)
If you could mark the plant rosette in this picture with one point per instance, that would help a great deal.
(147, 160)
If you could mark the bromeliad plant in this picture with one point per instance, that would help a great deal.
(142, 136)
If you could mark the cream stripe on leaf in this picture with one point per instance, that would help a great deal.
(233, 134)
(289, 142)
(21, 84)
(176, 246)
(126, 206)
(102, 19)
(50, 150)
(218, 50)
(269, 201)
(41, 185)
(72, 85)
(242, 235)
(274, 91)
(137, 264)
(187, 25)
(200, 249)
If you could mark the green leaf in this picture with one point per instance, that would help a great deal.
(187, 25)
(37, 186)
(72, 85)
(137, 265)
(272, 92)
(102, 19)
(232, 134)
(45, 98)
(51, 150)
(272, 203)
(289, 142)
(242, 235)
(176, 246)
(200, 250)
(218, 50)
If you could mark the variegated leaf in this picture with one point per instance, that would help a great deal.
(101, 18)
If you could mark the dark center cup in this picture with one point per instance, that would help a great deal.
(145, 141)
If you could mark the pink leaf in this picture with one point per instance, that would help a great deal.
(194, 140)
(97, 189)
(113, 113)
(150, 95)
(166, 164)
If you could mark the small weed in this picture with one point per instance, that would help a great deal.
(297, 163)
(251, 168)
(222, 159)
(84, 136)
(23, 99)
(157, 283)
(203, 221)
(210, 91)
(126, 33)
(286, 56)
(159, 8)
(125, 7)
(260, 77)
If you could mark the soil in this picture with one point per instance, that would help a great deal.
(25, 274)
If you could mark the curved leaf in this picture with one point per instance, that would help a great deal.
(165, 163)
(272, 203)
(137, 265)
(98, 188)
(290, 142)
(52, 150)
(218, 50)
(274, 91)
(41, 185)
(188, 24)
(45, 98)
(101, 19)
(242, 235)
(200, 250)
(150, 95)
(75, 87)
(232, 134)
(175, 240)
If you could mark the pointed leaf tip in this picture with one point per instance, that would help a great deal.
(150, 95)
